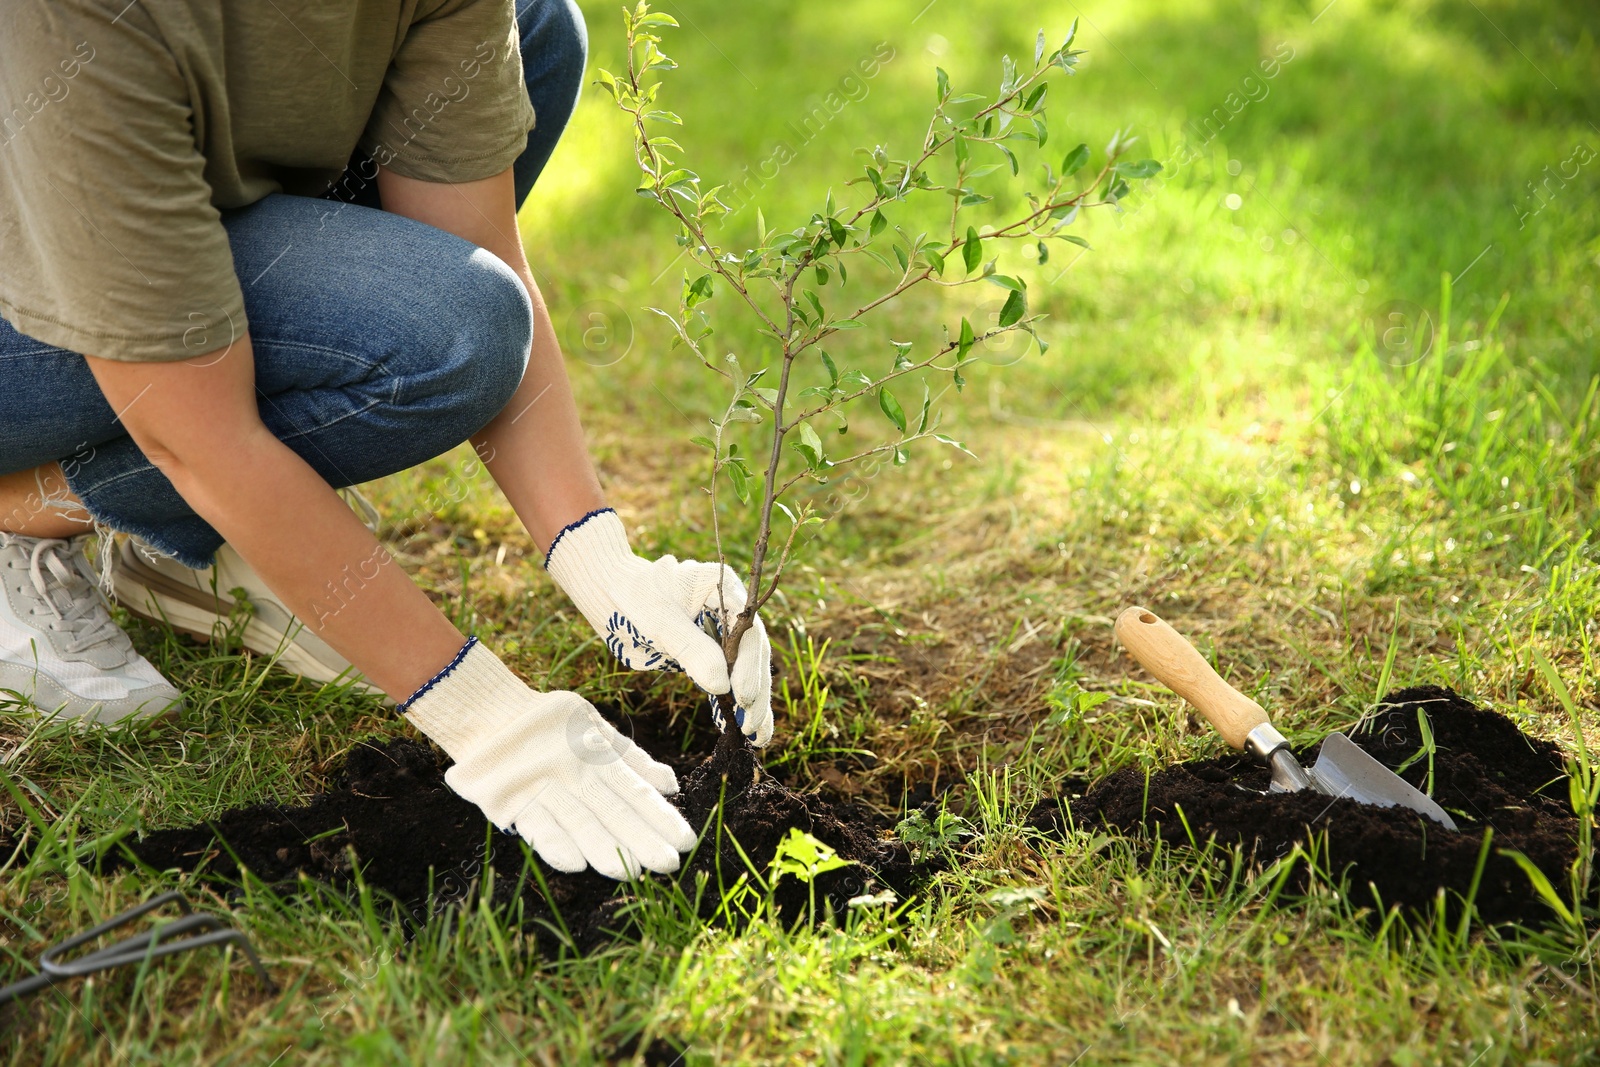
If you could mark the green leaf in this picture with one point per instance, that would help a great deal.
(972, 250)
(847, 324)
(697, 291)
(944, 84)
(809, 446)
(1005, 281)
(879, 223)
(816, 303)
(1011, 156)
(804, 857)
(1044, 252)
(901, 360)
(927, 408)
(1075, 160)
(960, 144)
(822, 274)
(899, 253)
(740, 479)
(891, 407)
(658, 18)
(964, 342)
(953, 443)
(1074, 239)
(833, 371)
(935, 258)
(1144, 168)
(1016, 306)
(703, 442)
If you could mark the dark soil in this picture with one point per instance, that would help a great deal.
(1486, 773)
(424, 846)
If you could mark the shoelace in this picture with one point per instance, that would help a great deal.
(64, 598)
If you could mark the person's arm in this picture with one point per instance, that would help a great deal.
(535, 448)
(647, 612)
(527, 759)
(197, 421)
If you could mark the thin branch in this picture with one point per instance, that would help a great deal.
(930, 362)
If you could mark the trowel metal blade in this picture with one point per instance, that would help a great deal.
(1344, 769)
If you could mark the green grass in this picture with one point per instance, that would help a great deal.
(1221, 430)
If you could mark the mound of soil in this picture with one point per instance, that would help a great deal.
(1489, 775)
(415, 840)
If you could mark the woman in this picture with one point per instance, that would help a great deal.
(251, 253)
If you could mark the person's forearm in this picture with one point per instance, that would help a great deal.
(329, 569)
(287, 523)
(535, 447)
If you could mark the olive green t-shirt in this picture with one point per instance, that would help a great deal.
(127, 127)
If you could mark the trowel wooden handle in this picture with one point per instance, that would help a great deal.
(1163, 652)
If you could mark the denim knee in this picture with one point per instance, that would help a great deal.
(491, 328)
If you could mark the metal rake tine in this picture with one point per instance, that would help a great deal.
(155, 948)
(50, 955)
(130, 950)
(162, 940)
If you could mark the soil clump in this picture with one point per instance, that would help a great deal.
(1488, 774)
(419, 843)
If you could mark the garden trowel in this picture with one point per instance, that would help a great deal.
(1342, 769)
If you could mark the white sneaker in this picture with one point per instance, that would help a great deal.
(202, 604)
(60, 651)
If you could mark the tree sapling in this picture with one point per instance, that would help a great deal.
(766, 443)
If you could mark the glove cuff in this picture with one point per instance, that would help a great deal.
(599, 533)
(468, 702)
(586, 554)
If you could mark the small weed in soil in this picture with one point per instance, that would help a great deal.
(1485, 772)
(392, 815)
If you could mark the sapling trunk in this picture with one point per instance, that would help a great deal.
(744, 765)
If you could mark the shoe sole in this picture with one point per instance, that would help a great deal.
(152, 596)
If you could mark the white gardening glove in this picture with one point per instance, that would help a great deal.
(650, 614)
(547, 765)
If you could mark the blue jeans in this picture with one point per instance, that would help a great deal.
(379, 342)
